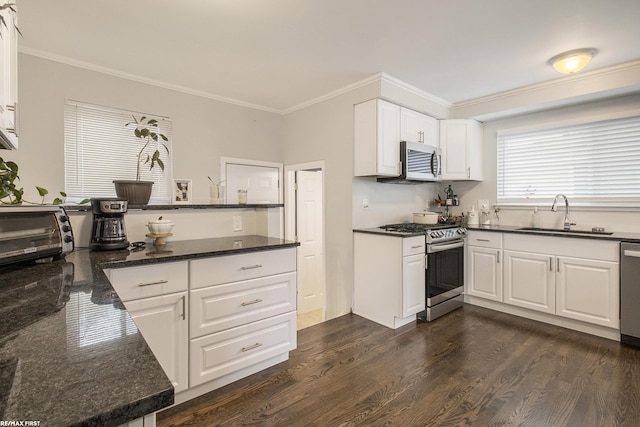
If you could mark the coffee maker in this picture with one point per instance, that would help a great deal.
(108, 231)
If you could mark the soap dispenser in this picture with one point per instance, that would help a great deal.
(535, 219)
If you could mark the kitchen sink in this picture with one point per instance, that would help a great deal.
(560, 230)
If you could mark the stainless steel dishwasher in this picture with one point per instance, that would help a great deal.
(630, 293)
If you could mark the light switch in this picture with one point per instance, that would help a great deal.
(483, 205)
(237, 223)
(365, 203)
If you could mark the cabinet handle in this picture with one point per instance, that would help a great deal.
(483, 240)
(550, 263)
(468, 172)
(498, 254)
(14, 109)
(184, 307)
(416, 246)
(251, 347)
(255, 301)
(159, 282)
(251, 267)
(558, 265)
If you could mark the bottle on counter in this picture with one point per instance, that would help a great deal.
(535, 219)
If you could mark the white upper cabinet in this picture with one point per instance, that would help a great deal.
(8, 80)
(418, 127)
(376, 138)
(461, 144)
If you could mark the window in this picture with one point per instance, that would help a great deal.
(593, 164)
(99, 148)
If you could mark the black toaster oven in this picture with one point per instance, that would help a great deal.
(39, 232)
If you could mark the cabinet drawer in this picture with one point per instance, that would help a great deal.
(225, 306)
(149, 280)
(485, 239)
(234, 268)
(413, 245)
(216, 355)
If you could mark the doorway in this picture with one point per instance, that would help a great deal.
(304, 222)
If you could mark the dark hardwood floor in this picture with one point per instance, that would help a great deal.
(471, 367)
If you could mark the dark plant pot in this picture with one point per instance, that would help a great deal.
(136, 192)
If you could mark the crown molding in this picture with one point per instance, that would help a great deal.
(551, 84)
(412, 89)
(116, 73)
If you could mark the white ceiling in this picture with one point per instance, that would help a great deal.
(278, 54)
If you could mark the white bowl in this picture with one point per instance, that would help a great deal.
(425, 217)
(160, 226)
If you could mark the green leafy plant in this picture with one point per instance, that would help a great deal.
(11, 194)
(146, 130)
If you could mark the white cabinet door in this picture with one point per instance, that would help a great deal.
(413, 284)
(162, 321)
(484, 273)
(418, 127)
(588, 290)
(529, 281)
(461, 144)
(376, 139)
(9, 81)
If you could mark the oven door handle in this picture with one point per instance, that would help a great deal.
(431, 249)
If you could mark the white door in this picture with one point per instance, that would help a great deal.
(484, 273)
(309, 212)
(413, 289)
(162, 321)
(588, 290)
(529, 281)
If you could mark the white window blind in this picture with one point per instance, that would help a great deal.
(593, 164)
(99, 148)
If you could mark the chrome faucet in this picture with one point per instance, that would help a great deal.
(567, 222)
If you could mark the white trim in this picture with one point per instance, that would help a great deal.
(550, 84)
(224, 161)
(121, 74)
(416, 91)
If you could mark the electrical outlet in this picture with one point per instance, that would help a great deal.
(237, 223)
(365, 203)
(483, 205)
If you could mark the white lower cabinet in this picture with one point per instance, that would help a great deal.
(156, 297)
(570, 278)
(389, 278)
(213, 320)
(162, 321)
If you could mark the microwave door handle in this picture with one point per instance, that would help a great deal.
(434, 159)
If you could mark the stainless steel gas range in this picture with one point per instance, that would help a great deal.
(444, 266)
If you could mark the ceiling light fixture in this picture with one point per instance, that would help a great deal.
(572, 61)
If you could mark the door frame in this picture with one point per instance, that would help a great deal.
(290, 213)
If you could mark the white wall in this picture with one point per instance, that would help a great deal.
(203, 129)
(611, 219)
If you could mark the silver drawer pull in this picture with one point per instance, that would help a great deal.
(255, 301)
(159, 282)
(483, 240)
(416, 246)
(251, 267)
(251, 347)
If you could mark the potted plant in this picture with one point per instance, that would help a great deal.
(138, 192)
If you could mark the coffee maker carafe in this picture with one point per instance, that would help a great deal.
(108, 231)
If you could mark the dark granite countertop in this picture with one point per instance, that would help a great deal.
(70, 353)
(617, 236)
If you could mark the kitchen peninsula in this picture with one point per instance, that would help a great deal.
(70, 353)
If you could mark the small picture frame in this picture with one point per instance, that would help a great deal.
(182, 192)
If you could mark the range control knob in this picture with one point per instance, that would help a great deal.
(68, 239)
(66, 228)
(63, 218)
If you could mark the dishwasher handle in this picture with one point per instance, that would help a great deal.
(630, 253)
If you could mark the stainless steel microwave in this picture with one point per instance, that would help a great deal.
(419, 162)
(38, 232)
